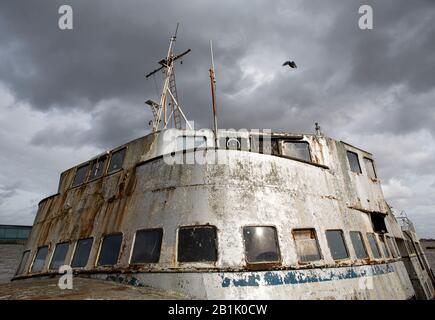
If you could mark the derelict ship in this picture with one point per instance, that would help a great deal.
(225, 214)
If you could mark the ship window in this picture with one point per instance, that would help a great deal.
(116, 160)
(59, 255)
(197, 244)
(296, 149)
(191, 142)
(98, 168)
(261, 244)
(358, 244)
(82, 251)
(307, 247)
(147, 246)
(391, 246)
(370, 167)
(402, 247)
(233, 143)
(352, 157)
(38, 263)
(23, 263)
(110, 250)
(80, 176)
(336, 244)
(378, 222)
(373, 245)
(384, 247)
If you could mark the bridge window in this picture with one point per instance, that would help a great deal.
(402, 247)
(296, 149)
(384, 247)
(98, 168)
(38, 263)
(374, 245)
(81, 174)
(197, 244)
(370, 167)
(261, 245)
(358, 244)
(147, 246)
(82, 251)
(23, 263)
(352, 157)
(336, 244)
(59, 255)
(307, 247)
(110, 248)
(391, 246)
(117, 160)
(191, 142)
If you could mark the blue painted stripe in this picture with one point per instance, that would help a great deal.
(274, 278)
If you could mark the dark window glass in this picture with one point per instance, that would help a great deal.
(336, 244)
(384, 247)
(234, 143)
(116, 160)
(11, 233)
(59, 255)
(23, 263)
(80, 175)
(299, 150)
(307, 247)
(391, 246)
(401, 246)
(197, 244)
(110, 250)
(374, 245)
(147, 246)
(261, 244)
(38, 263)
(358, 245)
(191, 142)
(353, 162)
(81, 254)
(98, 168)
(370, 167)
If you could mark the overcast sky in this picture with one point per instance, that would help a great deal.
(65, 96)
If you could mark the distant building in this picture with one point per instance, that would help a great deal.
(12, 240)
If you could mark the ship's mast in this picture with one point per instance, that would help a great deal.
(213, 94)
(173, 114)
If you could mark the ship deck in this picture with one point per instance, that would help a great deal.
(83, 289)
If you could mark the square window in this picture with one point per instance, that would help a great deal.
(147, 245)
(98, 167)
(117, 160)
(197, 244)
(336, 244)
(296, 149)
(374, 245)
(110, 248)
(81, 174)
(38, 263)
(191, 142)
(21, 268)
(370, 167)
(352, 157)
(358, 245)
(384, 247)
(261, 245)
(59, 255)
(82, 251)
(307, 246)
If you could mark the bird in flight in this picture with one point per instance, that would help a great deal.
(291, 64)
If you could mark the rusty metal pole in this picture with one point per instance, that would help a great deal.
(213, 96)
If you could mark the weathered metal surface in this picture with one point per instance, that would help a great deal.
(250, 188)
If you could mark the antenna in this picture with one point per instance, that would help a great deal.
(168, 89)
(213, 95)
